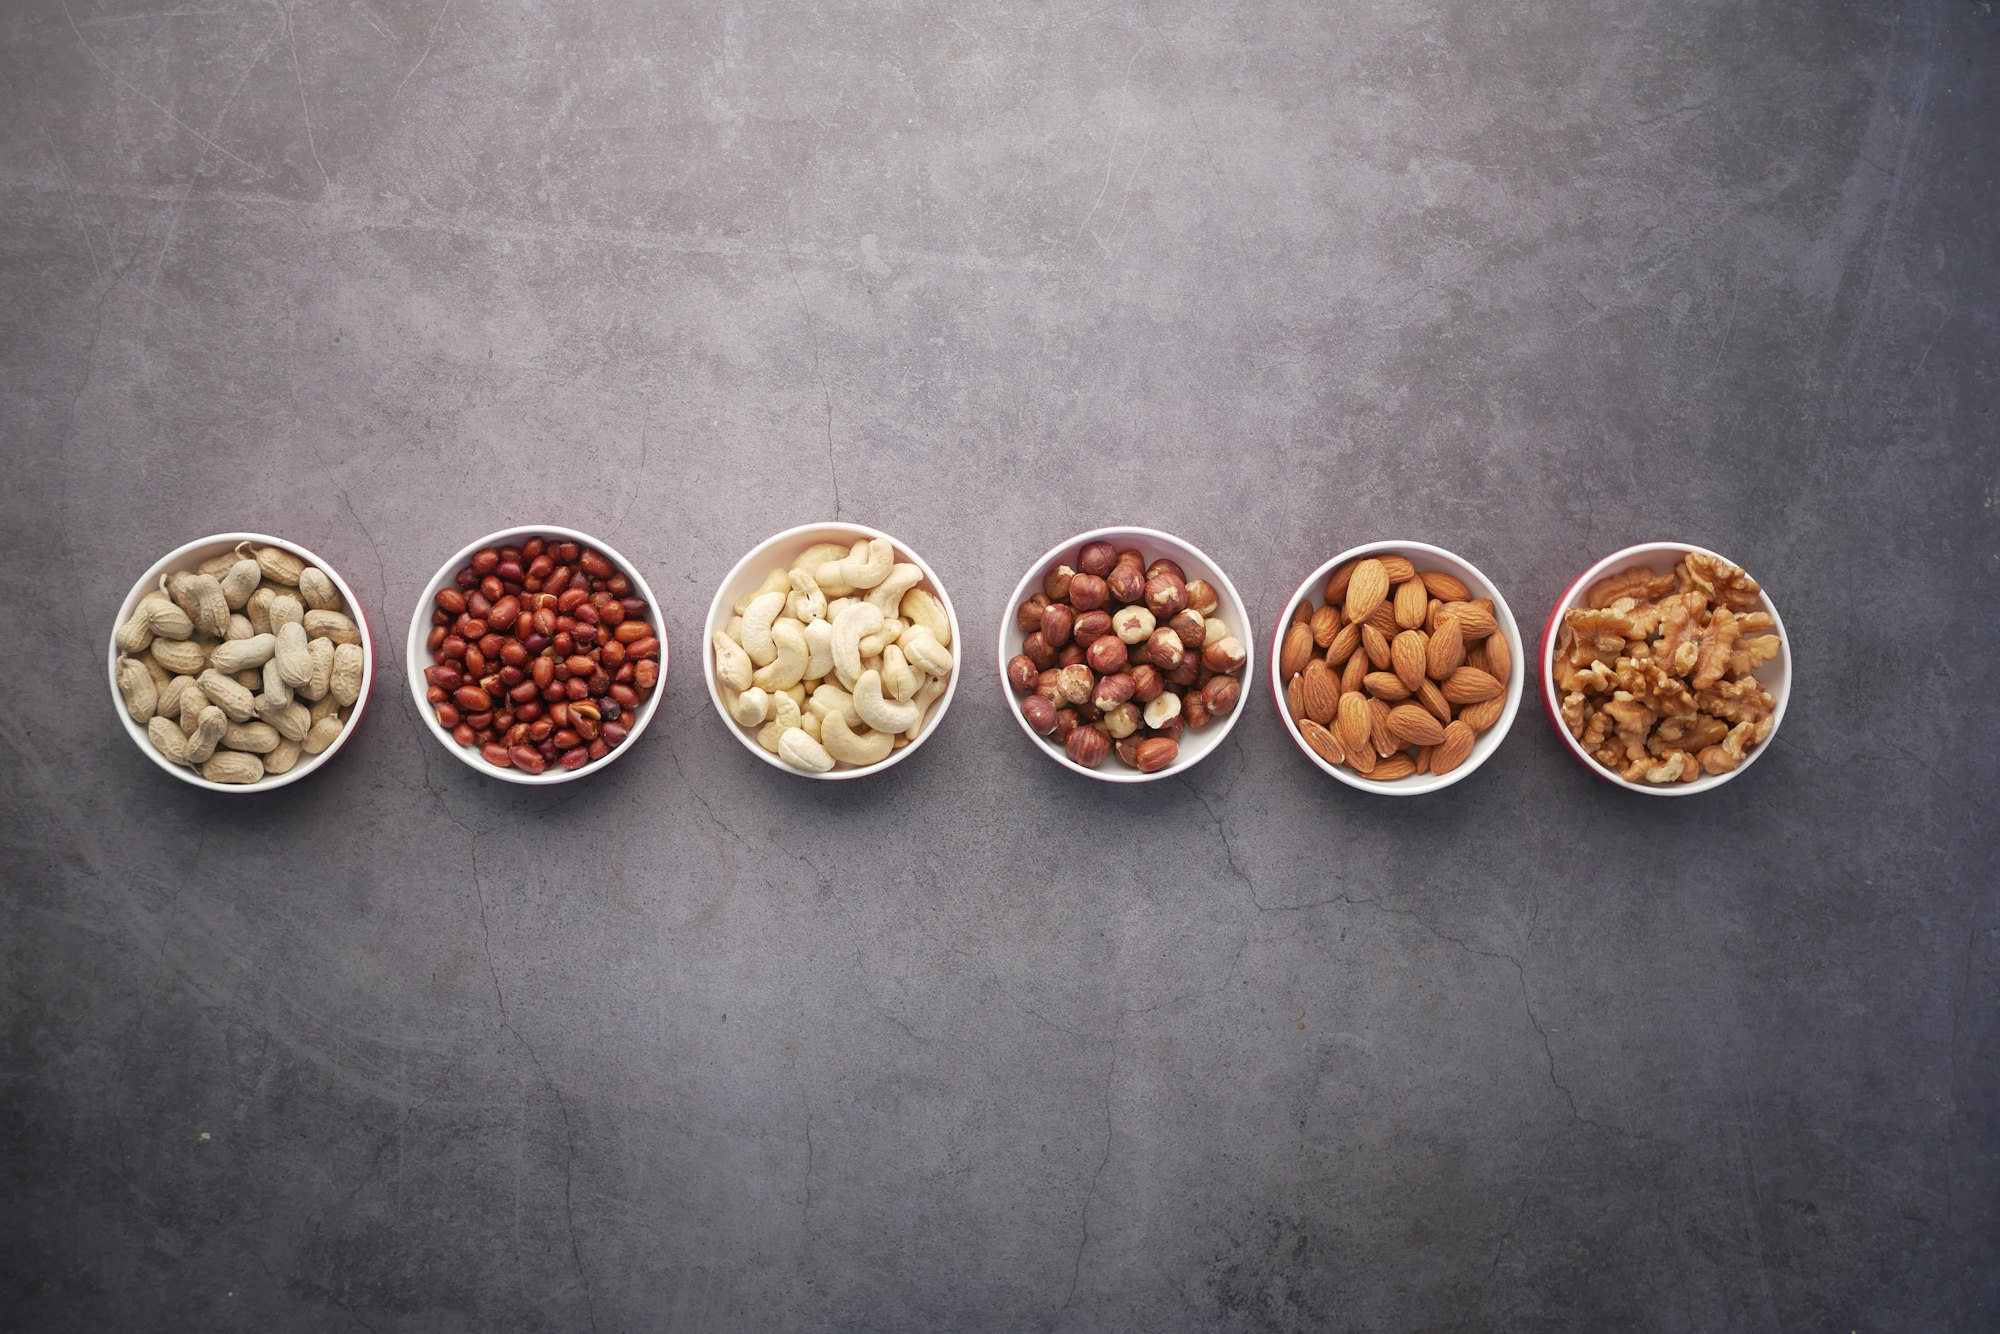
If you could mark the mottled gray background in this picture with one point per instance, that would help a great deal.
(979, 1044)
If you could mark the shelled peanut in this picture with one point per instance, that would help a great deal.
(242, 665)
(1397, 672)
(1121, 657)
(836, 659)
(541, 654)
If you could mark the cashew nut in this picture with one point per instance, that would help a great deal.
(806, 602)
(809, 724)
(845, 744)
(879, 712)
(798, 749)
(867, 565)
(927, 695)
(888, 595)
(855, 620)
(830, 698)
(757, 618)
(898, 677)
(922, 607)
(777, 581)
(732, 664)
(788, 666)
(819, 649)
(921, 647)
(815, 557)
(784, 714)
(751, 707)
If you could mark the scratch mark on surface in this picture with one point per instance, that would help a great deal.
(1111, 153)
(812, 333)
(304, 106)
(99, 61)
(1083, 1241)
(436, 23)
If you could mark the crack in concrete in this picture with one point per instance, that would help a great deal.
(812, 334)
(1083, 1241)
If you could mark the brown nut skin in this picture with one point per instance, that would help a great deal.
(1090, 627)
(1040, 714)
(1201, 597)
(1097, 558)
(1172, 727)
(1165, 650)
(1221, 695)
(1075, 683)
(1126, 583)
(1147, 683)
(1112, 691)
(1045, 686)
(1127, 749)
(1069, 655)
(1187, 673)
(1057, 622)
(1086, 592)
(1036, 649)
(1107, 654)
(1088, 746)
(1224, 655)
(1191, 626)
(1028, 616)
(1066, 722)
(1056, 582)
(1195, 711)
(1166, 566)
(1022, 673)
(1156, 753)
(1166, 595)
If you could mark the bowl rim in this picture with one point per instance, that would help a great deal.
(718, 617)
(1551, 706)
(416, 653)
(1484, 748)
(150, 581)
(1159, 537)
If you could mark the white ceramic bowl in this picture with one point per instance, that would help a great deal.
(1195, 743)
(417, 655)
(1776, 675)
(1425, 557)
(186, 558)
(779, 550)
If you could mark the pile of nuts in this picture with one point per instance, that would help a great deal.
(1657, 670)
(1398, 672)
(542, 653)
(242, 665)
(1120, 657)
(837, 659)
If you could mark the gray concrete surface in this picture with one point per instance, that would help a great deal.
(977, 1045)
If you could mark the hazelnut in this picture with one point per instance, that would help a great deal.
(1147, 683)
(1221, 694)
(1127, 750)
(1107, 654)
(1132, 558)
(1173, 727)
(1035, 649)
(1194, 710)
(1087, 712)
(1191, 626)
(1165, 566)
(1213, 630)
(1201, 596)
(1126, 583)
(1133, 624)
(1156, 753)
(1056, 582)
(1224, 655)
(1041, 714)
(1086, 592)
(1046, 687)
(1097, 558)
(1068, 654)
(1165, 594)
(1165, 650)
(1066, 723)
(1161, 710)
(1091, 626)
(1185, 674)
(1021, 672)
(1029, 615)
(1122, 720)
(1088, 746)
(1075, 683)
(1112, 691)
(1057, 621)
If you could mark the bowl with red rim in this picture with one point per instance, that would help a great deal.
(1195, 744)
(420, 658)
(1425, 557)
(1775, 675)
(189, 556)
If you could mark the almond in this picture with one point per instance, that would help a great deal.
(1343, 645)
(1385, 685)
(1415, 725)
(1474, 621)
(1336, 583)
(1469, 685)
(1447, 649)
(1383, 618)
(1297, 650)
(1319, 692)
(1428, 694)
(1394, 767)
(1353, 728)
(1484, 714)
(1451, 752)
(1350, 675)
(1361, 761)
(1445, 586)
(1303, 612)
(1295, 698)
(1376, 645)
(1366, 589)
(1383, 739)
(1424, 758)
(1398, 568)
(1324, 744)
(1476, 657)
(1412, 600)
(1325, 625)
(1408, 657)
(1499, 658)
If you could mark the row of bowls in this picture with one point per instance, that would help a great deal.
(779, 549)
